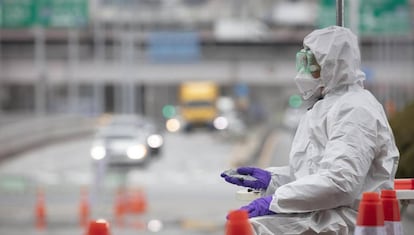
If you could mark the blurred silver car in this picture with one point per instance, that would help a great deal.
(126, 139)
(154, 139)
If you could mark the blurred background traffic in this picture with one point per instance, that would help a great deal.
(128, 110)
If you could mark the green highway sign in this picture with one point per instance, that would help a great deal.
(17, 13)
(377, 17)
(47, 13)
(63, 13)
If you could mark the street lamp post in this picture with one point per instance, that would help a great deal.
(340, 12)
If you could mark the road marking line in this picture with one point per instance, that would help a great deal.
(266, 153)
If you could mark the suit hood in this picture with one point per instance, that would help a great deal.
(337, 51)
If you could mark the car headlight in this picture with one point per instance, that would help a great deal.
(98, 152)
(137, 152)
(173, 125)
(221, 123)
(155, 141)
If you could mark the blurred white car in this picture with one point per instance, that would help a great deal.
(127, 139)
(229, 120)
(120, 146)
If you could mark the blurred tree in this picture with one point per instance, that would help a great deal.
(403, 128)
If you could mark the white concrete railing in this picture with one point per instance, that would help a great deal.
(20, 133)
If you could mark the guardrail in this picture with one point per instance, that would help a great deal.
(22, 132)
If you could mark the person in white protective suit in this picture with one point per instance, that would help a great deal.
(343, 146)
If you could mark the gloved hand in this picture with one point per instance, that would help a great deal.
(259, 207)
(263, 178)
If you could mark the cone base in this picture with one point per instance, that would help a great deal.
(394, 228)
(370, 230)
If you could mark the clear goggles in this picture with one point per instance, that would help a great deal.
(306, 62)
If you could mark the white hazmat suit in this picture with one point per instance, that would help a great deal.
(343, 147)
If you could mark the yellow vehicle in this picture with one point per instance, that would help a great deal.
(198, 103)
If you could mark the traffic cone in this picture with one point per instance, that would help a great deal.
(392, 218)
(370, 218)
(40, 210)
(238, 223)
(119, 208)
(98, 227)
(84, 208)
(137, 202)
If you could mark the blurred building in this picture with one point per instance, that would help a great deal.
(96, 56)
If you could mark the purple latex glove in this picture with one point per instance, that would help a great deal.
(259, 207)
(263, 178)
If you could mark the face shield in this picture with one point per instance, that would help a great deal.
(306, 62)
(308, 73)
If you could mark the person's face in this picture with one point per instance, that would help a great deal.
(317, 73)
(307, 68)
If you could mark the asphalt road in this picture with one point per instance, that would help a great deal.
(183, 190)
(184, 193)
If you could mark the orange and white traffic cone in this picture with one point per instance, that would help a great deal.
(40, 210)
(392, 217)
(84, 208)
(98, 227)
(137, 202)
(370, 219)
(238, 223)
(120, 207)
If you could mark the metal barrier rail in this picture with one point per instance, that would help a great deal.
(32, 131)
